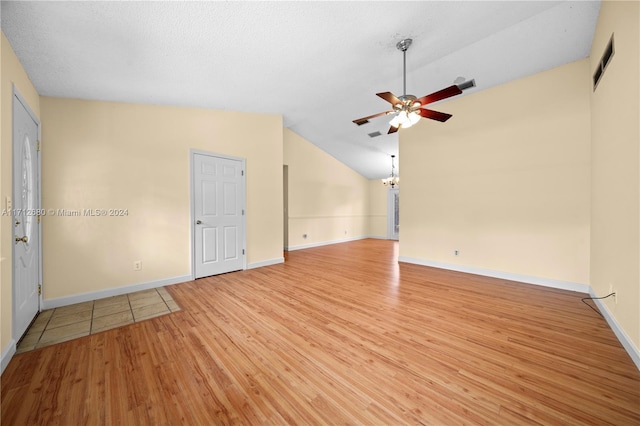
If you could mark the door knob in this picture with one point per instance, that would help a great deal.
(23, 239)
(198, 222)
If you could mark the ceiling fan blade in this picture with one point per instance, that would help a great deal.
(439, 95)
(434, 115)
(361, 121)
(393, 129)
(389, 97)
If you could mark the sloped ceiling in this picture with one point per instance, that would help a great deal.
(319, 64)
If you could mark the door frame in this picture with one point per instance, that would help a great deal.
(192, 210)
(17, 97)
(390, 214)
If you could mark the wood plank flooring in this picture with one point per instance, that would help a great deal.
(338, 334)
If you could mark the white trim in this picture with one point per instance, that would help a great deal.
(26, 106)
(7, 354)
(101, 294)
(624, 339)
(391, 213)
(266, 263)
(326, 243)
(528, 279)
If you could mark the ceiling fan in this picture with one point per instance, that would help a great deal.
(407, 108)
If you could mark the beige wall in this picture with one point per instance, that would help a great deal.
(377, 209)
(615, 129)
(11, 72)
(505, 181)
(328, 201)
(136, 157)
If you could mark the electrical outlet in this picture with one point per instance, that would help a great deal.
(304, 235)
(137, 265)
(456, 252)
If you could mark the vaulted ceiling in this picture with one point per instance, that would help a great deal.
(319, 64)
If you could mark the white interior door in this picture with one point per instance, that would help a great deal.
(218, 207)
(25, 211)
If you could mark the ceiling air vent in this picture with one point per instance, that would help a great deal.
(374, 134)
(604, 61)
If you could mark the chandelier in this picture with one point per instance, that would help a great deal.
(392, 180)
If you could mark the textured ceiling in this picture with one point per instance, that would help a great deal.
(319, 64)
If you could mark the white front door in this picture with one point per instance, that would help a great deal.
(25, 211)
(218, 214)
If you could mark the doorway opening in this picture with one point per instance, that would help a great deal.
(393, 214)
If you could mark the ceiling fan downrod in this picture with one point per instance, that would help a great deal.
(404, 45)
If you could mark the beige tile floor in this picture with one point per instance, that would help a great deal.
(82, 319)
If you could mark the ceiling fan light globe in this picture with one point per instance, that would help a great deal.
(402, 119)
(414, 117)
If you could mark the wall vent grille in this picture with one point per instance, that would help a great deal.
(374, 134)
(604, 61)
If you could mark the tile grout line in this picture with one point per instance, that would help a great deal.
(45, 328)
(93, 307)
(164, 301)
(131, 309)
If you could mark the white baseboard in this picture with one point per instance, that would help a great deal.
(624, 339)
(7, 354)
(265, 263)
(327, 243)
(528, 279)
(101, 294)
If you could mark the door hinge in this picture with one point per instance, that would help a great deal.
(39, 289)
(38, 218)
(242, 172)
(242, 212)
(242, 251)
(38, 146)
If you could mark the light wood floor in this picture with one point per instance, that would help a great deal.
(338, 334)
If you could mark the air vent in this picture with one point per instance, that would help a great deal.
(374, 134)
(604, 61)
(361, 122)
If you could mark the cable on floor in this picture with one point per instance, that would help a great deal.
(584, 300)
